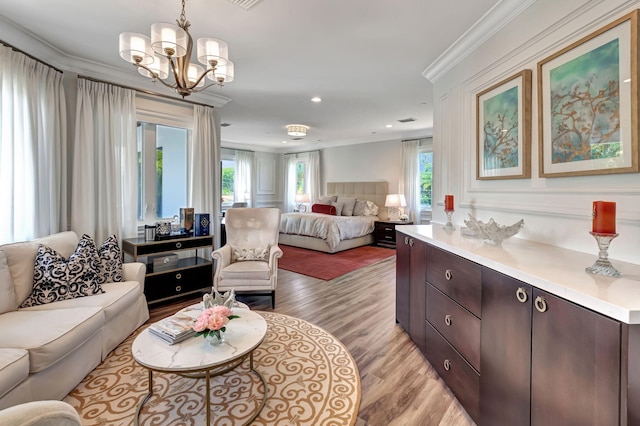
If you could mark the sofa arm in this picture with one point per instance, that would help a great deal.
(40, 413)
(134, 271)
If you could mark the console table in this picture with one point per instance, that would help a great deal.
(192, 273)
(521, 334)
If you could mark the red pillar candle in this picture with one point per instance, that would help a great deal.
(604, 217)
(448, 203)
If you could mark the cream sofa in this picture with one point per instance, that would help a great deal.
(46, 350)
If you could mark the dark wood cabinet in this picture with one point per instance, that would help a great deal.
(575, 364)
(191, 274)
(410, 288)
(384, 232)
(545, 360)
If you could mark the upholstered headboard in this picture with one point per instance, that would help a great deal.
(372, 191)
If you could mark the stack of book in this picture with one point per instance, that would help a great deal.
(173, 329)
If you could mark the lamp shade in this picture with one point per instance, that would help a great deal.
(302, 198)
(135, 48)
(395, 200)
(168, 40)
(160, 66)
(193, 73)
(212, 49)
(223, 73)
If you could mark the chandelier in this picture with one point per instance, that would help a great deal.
(169, 50)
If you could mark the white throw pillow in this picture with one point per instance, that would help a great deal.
(325, 199)
(338, 206)
(242, 254)
(349, 204)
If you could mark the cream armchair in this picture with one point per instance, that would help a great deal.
(248, 262)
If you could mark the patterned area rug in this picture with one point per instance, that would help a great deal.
(327, 266)
(311, 378)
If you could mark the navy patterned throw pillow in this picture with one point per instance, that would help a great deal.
(110, 261)
(56, 278)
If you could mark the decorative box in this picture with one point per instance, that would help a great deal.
(202, 223)
(186, 218)
(162, 262)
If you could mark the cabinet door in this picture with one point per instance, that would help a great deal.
(505, 350)
(403, 268)
(417, 293)
(575, 373)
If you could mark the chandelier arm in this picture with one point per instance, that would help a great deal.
(193, 86)
(155, 75)
(205, 87)
(178, 83)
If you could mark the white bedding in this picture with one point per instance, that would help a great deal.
(332, 229)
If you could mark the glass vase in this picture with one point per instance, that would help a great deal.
(216, 339)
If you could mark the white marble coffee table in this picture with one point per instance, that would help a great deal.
(197, 358)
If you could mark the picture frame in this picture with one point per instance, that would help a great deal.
(588, 104)
(503, 129)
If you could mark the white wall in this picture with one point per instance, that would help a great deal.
(556, 211)
(375, 161)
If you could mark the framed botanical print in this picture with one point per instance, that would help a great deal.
(588, 104)
(503, 129)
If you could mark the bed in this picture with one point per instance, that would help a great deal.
(332, 234)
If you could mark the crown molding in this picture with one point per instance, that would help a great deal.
(489, 24)
(21, 39)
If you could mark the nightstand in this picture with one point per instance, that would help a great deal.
(384, 233)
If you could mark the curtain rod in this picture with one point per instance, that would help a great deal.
(15, 49)
(302, 152)
(146, 92)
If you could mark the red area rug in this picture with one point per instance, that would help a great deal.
(328, 266)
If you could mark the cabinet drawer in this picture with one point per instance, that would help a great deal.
(175, 283)
(461, 378)
(456, 324)
(173, 245)
(458, 278)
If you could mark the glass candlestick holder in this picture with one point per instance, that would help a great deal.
(449, 226)
(603, 266)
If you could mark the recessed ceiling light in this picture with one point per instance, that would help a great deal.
(316, 99)
(389, 125)
(284, 142)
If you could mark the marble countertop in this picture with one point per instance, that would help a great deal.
(553, 269)
(243, 335)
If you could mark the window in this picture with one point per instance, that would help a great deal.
(228, 171)
(426, 176)
(301, 177)
(162, 170)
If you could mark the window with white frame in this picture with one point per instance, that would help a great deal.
(228, 175)
(163, 174)
(426, 177)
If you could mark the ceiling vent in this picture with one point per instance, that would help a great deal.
(225, 124)
(406, 120)
(245, 4)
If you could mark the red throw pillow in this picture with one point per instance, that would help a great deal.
(324, 208)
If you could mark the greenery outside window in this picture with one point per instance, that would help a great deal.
(426, 179)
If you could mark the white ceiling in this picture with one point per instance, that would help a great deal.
(365, 58)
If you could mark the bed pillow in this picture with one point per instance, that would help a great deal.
(324, 199)
(339, 207)
(349, 203)
(358, 209)
(323, 208)
(370, 209)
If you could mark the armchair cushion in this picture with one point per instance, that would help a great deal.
(249, 270)
(243, 254)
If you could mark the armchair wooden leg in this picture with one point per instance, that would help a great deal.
(273, 299)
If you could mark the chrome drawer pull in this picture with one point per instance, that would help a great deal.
(447, 364)
(178, 245)
(447, 319)
(448, 275)
(406, 240)
(178, 276)
(411, 242)
(178, 288)
(521, 294)
(388, 229)
(541, 304)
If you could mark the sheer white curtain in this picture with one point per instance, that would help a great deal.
(290, 182)
(410, 179)
(105, 162)
(204, 187)
(313, 186)
(244, 188)
(33, 149)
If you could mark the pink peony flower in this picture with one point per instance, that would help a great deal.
(200, 324)
(216, 322)
(222, 310)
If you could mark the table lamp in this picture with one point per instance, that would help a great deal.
(301, 200)
(394, 203)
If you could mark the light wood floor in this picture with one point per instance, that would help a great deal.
(399, 387)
